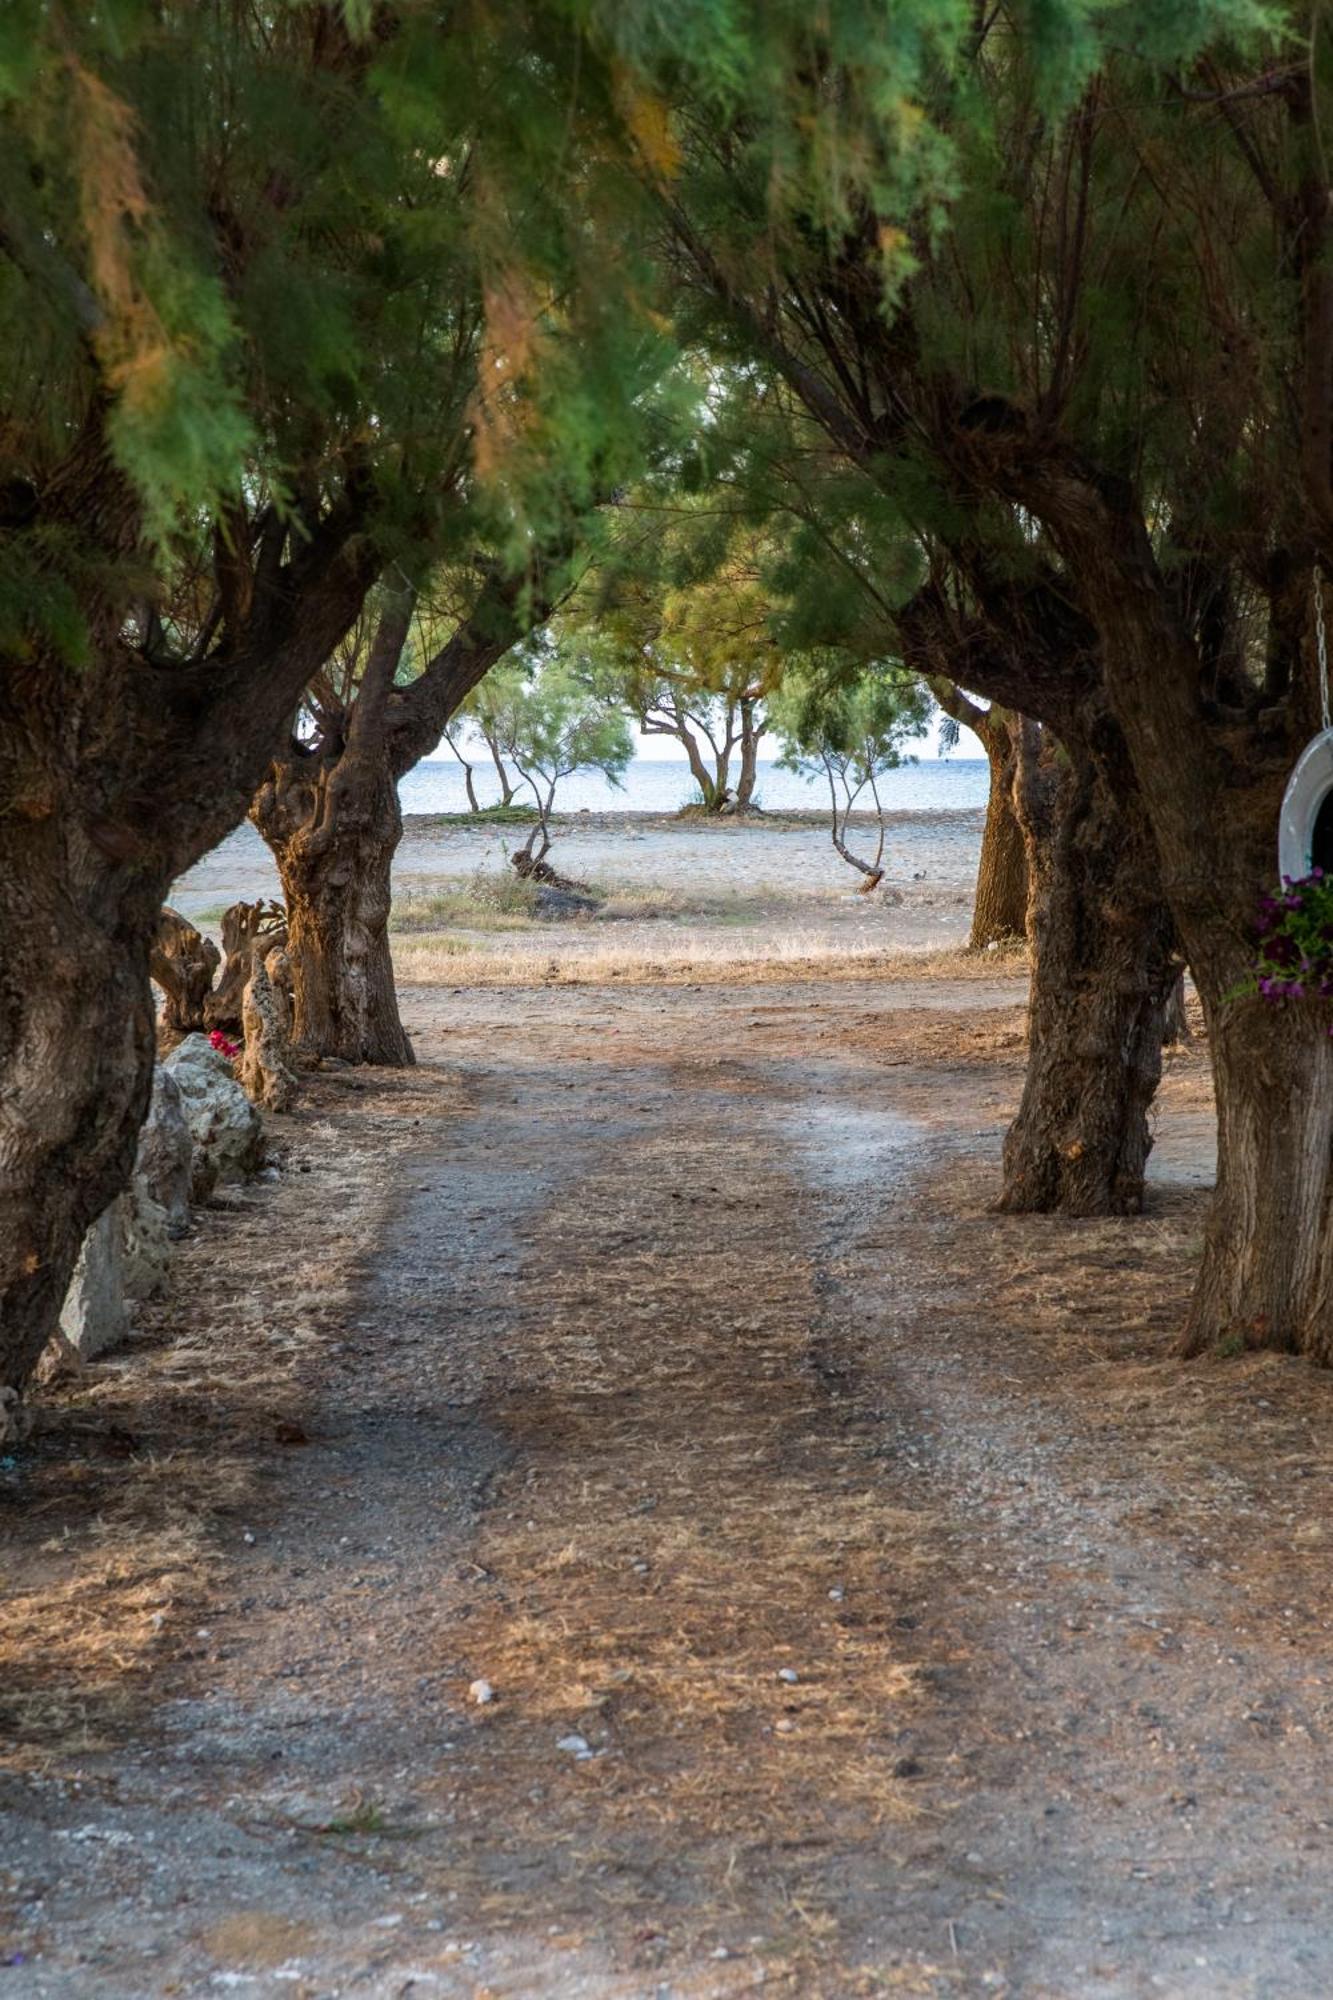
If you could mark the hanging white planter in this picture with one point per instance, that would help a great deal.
(1305, 826)
(1305, 829)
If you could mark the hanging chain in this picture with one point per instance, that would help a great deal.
(1321, 642)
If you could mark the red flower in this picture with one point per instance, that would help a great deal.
(223, 1046)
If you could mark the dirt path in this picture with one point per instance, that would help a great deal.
(870, 1604)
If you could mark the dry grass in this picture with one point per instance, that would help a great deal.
(487, 901)
(673, 1670)
(1233, 1454)
(688, 958)
(491, 900)
(139, 1457)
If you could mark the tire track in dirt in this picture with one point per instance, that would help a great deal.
(1120, 1824)
(667, 1385)
(695, 1579)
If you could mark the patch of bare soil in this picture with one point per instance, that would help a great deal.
(868, 1600)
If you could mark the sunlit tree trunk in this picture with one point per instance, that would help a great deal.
(752, 730)
(335, 858)
(1103, 970)
(1000, 907)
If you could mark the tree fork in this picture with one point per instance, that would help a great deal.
(330, 813)
(1103, 942)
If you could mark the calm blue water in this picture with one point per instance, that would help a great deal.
(945, 784)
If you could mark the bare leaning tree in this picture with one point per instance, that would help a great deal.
(851, 731)
(552, 721)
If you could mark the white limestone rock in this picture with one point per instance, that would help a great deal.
(165, 1159)
(94, 1316)
(146, 1248)
(227, 1131)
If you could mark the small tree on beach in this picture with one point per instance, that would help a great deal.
(550, 725)
(852, 734)
(485, 714)
(679, 619)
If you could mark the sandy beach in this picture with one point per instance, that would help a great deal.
(674, 889)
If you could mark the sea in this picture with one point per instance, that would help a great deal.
(660, 785)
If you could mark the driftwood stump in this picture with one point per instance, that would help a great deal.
(267, 1076)
(249, 931)
(182, 963)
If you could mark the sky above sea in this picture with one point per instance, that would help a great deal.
(664, 784)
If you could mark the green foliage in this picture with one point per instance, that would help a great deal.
(1294, 942)
(498, 814)
(291, 248)
(553, 721)
(855, 728)
(255, 256)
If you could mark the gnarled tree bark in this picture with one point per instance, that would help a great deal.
(114, 777)
(1212, 764)
(334, 832)
(1104, 967)
(329, 810)
(267, 1075)
(182, 962)
(249, 930)
(1102, 939)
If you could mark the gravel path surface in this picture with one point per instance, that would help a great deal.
(868, 1601)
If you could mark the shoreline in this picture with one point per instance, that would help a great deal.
(794, 820)
(729, 888)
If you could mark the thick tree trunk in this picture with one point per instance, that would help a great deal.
(751, 732)
(1000, 908)
(1101, 936)
(1266, 1277)
(76, 1055)
(1267, 1274)
(1103, 969)
(332, 818)
(115, 776)
(182, 963)
(1211, 778)
(334, 833)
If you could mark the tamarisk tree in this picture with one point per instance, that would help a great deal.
(802, 243)
(329, 807)
(679, 617)
(850, 732)
(555, 722)
(269, 281)
(1074, 304)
